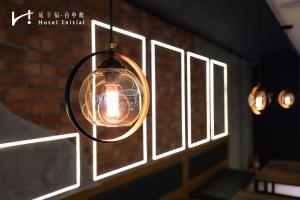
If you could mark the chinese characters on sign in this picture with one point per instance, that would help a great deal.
(60, 18)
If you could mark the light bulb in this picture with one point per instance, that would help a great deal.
(257, 100)
(112, 101)
(114, 105)
(111, 97)
(286, 99)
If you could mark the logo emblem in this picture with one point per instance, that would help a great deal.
(14, 20)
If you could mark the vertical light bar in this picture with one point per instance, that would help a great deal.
(48, 139)
(153, 88)
(189, 111)
(153, 99)
(96, 177)
(93, 38)
(261, 186)
(212, 65)
(269, 187)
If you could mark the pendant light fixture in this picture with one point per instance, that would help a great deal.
(111, 95)
(285, 97)
(258, 98)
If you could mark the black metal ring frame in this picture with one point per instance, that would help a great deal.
(68, 95)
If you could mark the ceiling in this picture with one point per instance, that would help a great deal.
(232, 24)
(287, 12)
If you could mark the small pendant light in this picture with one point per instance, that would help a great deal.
(258, 99)
(111, 95)
(285, 97)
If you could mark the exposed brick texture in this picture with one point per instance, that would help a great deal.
(35, 62)
(198, 100)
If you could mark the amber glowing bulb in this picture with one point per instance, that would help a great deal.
(257, 100)
(111, 97)
(286, 99)
(112, 101)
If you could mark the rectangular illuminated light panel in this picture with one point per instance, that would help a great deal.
(47, 139)
(96, 177)
(181, 51)
(279, 188)
(214, 63)
(288, 190)
(189, 111)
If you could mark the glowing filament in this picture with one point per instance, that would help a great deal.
(259, 102)
(112, 101)
(287, 100)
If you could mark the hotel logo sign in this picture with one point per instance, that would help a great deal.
(51, 18)
(15, 19)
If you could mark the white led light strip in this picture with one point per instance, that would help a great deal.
(96, 177)
(48, 139)
(181, 51)
(212, 65)
(189, 114)
(288, 190)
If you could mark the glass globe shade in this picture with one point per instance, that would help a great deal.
(257, 100)
(111, 97)
(286, 99)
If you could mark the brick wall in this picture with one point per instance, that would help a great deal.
(35, 61)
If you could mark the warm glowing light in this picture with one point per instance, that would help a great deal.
(48, 139)
(142, 39)
(112, 101)
(117, 98)
(133, 95)
(257, 100)
(156, 156)
(286, 99)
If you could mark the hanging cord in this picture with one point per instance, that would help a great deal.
(259, 74)
(111, 41)
(286, 28)
(286, 72)
(259, 78)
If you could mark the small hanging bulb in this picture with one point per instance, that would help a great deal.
(257, 100)
(286, 99)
